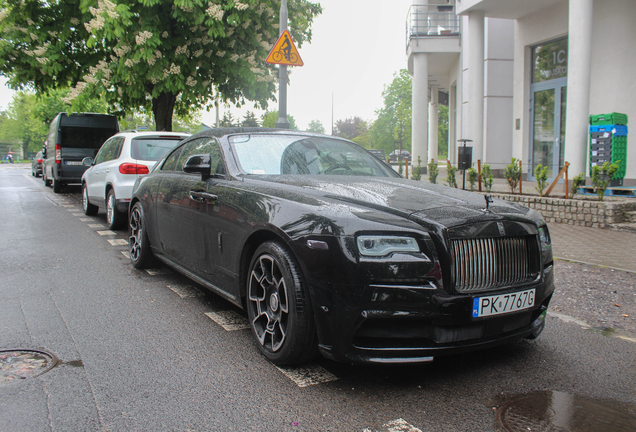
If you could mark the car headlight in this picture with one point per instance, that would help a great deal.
(544, 238)
(382, 245)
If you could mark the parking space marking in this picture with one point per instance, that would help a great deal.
(229, 320)
(69, 206)
(305, 376)
(95, 226)
(87, 219)
(155, 272)
(185, 291)
(107, 232)
(77, 214)
(118, 242)
(399, 425)
(126, 254)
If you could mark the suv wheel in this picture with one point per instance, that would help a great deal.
(89, 209)
(114, 218)
(57, 186)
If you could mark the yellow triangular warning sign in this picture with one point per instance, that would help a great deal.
(284, 52)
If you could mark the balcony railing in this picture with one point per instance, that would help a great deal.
(426, 21)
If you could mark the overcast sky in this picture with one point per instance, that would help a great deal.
(356, 48)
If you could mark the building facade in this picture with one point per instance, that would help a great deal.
(523, 78)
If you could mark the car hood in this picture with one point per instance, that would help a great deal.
(415, 200)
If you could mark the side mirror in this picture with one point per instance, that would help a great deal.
(87, 161)
(198, 164)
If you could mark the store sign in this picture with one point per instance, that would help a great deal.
(550, 61)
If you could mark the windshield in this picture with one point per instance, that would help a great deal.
(292, 154)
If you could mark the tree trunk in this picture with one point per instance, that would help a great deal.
(162, 108)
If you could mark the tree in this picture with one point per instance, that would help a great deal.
(159, 56)
(249, 120)
(392, 129)
(316, 126)
(228, 120)
(20, 127)
(350, 128)
(270, 117)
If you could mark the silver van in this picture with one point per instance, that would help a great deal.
(72, 137)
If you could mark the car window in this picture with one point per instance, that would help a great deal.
(105, 150)
(305, 155)
(117, 149)
(152, 148)
(195, 147)
(216, 159)
(171, 161)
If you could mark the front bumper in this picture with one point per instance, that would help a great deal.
(402, 324)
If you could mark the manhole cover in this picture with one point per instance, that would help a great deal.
(16, 365)
(562, 412)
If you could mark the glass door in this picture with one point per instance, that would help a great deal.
(548, 126)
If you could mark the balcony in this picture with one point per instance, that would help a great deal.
(427, 21)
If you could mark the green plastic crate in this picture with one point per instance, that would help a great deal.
(608, 119)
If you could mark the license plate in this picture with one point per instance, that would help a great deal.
(502, 303)
(73, 162)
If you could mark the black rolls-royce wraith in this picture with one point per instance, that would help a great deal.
(330, 251)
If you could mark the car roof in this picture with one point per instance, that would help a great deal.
(221, 132)
(153, 133)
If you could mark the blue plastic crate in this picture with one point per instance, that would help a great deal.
(616, 130)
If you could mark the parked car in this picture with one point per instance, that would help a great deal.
(396, 155)
(378, 153)
(109, 179)
(36, 164)
(72, 138)
(330, 250)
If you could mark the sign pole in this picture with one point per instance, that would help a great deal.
(282, 121)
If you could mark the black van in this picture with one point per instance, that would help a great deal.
(71, 138)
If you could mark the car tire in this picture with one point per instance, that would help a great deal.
(114, 218)
(279, 308)
(57, 186)
(89, 209)
(45, 179)
(138, 243)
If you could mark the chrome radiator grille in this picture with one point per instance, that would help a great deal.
(490, 263)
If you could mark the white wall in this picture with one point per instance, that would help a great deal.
(614, 66)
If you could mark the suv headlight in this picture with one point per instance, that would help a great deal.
(382, 245)
(544, 238)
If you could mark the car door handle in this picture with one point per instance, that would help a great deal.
(203, 197)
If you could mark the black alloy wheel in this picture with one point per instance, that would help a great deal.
(138, 244)
(89, 209)
(114, 218)
(278, 307)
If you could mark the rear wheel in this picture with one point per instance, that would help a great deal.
(57, 186)
(89, 209)
(114, 218)
(278, 307)
(138, 244)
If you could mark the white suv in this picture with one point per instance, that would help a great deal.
(109, 180)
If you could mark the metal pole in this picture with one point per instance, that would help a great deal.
(282, 121)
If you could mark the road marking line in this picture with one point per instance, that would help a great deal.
(68, 206)
(77, 214)
(95, 225)
(185, 291)
(155, 272)
(118, 242)
(229, 320)
(586, 326)
(108, 232)
(305, 376)
(399, 425)
(86, 219)
(126, 254)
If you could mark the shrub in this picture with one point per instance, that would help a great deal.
(541, 175)
(417, 171)
(486, 177)
(577, 182)
(472, 178)
(601, 177)
(512, 173)
(450, 176)
(433, 171)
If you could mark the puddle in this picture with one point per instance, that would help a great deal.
(17, 365)
(551, 411)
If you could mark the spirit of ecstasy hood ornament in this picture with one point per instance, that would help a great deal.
(488, 199)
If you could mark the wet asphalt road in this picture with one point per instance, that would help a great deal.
(136, 355)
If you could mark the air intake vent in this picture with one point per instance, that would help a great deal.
(492, 263)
